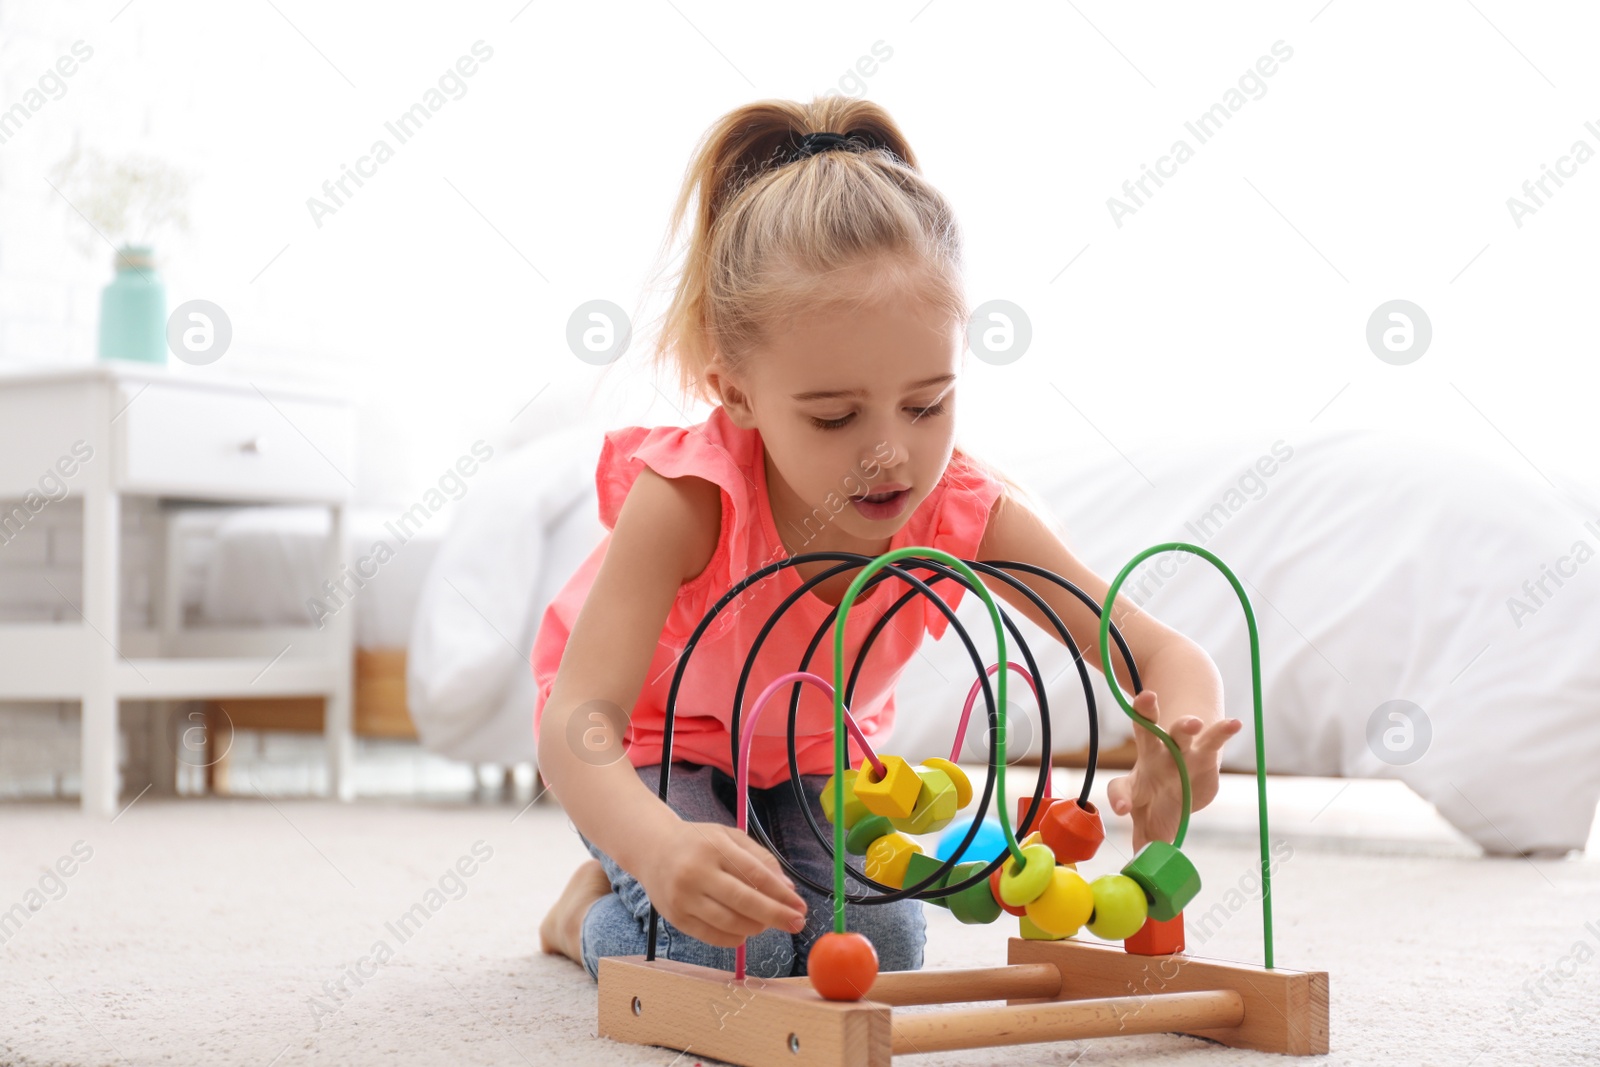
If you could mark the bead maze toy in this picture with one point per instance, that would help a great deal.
(1056, 985)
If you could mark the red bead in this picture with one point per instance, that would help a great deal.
(1073, 830)
(994, 890)
(842, 966)
(1157, 938)
(1023, 803)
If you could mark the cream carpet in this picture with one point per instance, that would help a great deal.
(219, 931)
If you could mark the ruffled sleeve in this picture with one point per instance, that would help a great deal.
(673, 452)
(967, 494)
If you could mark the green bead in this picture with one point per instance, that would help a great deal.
(854, 809)
(1119, 907)
(1167, 877)
(974, 905)
(864, 833)
(1019, 886)
(920, 867)
(935, 807)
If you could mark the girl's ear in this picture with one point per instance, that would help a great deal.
(735, 401)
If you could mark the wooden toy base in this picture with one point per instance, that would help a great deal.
(1055, 991)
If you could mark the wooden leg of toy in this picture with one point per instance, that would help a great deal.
(1284, 1011)
(756, 1023)
(959, 985)
(1067, 1020)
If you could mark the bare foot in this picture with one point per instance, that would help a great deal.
(561, 932)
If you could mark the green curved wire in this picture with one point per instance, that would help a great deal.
(840, 762)
(1177, 756)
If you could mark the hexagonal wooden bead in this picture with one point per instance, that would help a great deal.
(1045, 804)
(918, 867)
(974, 905)
(1157, 938)
(1073, 830)
(935, 806)
(1065, 904)
(1167, 877)
(957, 776)
(893, 796)
(887, 858)
(865, 832)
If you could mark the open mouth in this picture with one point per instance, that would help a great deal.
(884, 504)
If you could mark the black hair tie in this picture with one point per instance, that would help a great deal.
(812, 143)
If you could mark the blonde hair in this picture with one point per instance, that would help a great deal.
(773, 237)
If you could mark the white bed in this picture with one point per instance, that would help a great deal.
(1379, 567)
(259, 566)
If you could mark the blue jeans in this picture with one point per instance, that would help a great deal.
(619, 923)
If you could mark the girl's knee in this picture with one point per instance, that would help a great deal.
(897, 931)
(769, 954)
(900, 935)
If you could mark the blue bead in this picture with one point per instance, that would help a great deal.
(989, 842)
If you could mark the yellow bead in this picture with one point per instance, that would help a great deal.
(958, 778)
(893, 796)
(935, 807)
(853, 808)
(888, 857)
(1018, 887)
(1065, 905)
(1030, 931)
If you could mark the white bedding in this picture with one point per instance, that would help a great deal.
(1379, 568)
(258, 566)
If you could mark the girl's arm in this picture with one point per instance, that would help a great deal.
(711, 881)
(1170, 664)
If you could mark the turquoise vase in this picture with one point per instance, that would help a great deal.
(133, 309)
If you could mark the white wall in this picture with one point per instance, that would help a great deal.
(1376, 165)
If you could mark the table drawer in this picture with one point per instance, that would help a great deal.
(178, 440)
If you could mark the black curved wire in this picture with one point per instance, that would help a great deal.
(853, 561)
(921, 889)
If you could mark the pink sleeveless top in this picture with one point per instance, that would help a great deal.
(951, 518)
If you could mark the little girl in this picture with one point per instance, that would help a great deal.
(821, 310)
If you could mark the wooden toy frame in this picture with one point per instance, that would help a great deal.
(1054, 990)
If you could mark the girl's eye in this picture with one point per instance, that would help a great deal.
(839, 423)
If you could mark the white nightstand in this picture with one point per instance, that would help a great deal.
(111, 430)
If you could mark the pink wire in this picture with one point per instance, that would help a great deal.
(966, 714)
(742, 779)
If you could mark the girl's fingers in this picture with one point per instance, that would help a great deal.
(1119, 792)
(765, 874)
(726, 921)
(1145, 704)
(733, 894)
(1219, 733)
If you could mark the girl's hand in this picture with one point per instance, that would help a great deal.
(1152, 791)
(716, 884)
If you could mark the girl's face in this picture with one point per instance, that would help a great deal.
(856, 410)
